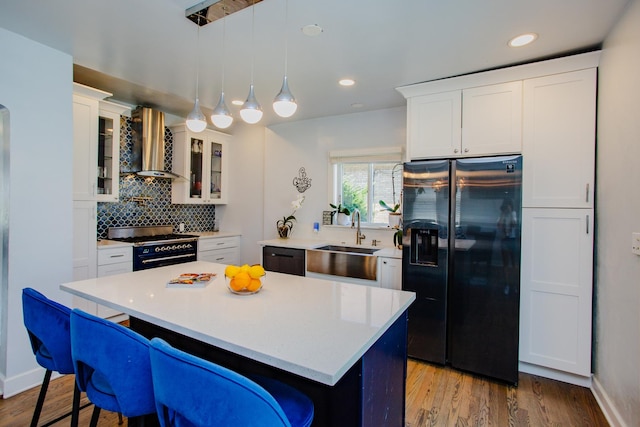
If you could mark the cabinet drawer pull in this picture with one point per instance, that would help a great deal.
(116, 256)
(220, 259)
(282, 255)
(587, 193)
(587, 224)
(220, 243)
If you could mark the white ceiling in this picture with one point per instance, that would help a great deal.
(144, 51)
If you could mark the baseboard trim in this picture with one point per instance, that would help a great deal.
(608, 408)
(555, 374)
(25, 381)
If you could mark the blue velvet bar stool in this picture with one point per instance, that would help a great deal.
(196, 393)
(47, 324)
(112, 367)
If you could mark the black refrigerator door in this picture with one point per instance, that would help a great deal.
(425, 256)
(484, 286)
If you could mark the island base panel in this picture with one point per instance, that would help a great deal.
(371, 393)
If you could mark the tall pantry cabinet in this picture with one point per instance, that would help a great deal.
(96, 157)
(558, 216)
(547, 112)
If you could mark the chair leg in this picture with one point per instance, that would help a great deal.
(41, 396)
(120, 422)
(94, 416)
(75, 409)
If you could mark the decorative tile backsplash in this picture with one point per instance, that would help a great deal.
(158, 210)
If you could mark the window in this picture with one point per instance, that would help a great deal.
(364, 177)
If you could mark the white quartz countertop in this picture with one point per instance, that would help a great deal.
(310, 327)
(387, 252)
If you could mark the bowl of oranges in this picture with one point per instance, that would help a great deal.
(245, 279)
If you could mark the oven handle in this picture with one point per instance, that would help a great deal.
(148, 261)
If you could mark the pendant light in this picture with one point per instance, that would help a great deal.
(196, 121)
(221, 116)
(284, 103)
(251, 111)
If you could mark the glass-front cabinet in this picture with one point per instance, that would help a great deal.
(108, 165)
(201, 161)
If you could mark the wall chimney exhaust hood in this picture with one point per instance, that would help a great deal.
(147, 154)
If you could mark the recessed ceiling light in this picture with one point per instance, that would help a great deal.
(237, 102)
(346, 82)
(523, 39)
(312, 30)
(357, 105)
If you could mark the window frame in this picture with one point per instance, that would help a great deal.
(368, 156)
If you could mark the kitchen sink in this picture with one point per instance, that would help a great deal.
(349, 249)
(345, 261)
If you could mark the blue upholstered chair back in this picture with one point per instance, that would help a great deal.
(112, 365)
(193, 392)
(47, 324)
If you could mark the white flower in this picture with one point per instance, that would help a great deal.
(297, 203)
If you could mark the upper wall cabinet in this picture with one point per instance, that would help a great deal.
(474, 121)
(108, 160)
(85, 135)
(201, 160)
(559, 140)
(492, 119)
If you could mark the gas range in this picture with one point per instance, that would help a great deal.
(156, 246)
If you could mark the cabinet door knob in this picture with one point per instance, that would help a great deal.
(466, 150)
(455, 150)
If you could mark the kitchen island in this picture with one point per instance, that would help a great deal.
(343, 345)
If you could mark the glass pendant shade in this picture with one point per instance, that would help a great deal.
(221, 116)
(196, 121)
(251, 111)
(284, 103)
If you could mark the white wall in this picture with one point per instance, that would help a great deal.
(306, 143)
(36, 87)
(617, 317)
(246, 194)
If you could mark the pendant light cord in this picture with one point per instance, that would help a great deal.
(198, 59)
(253, 40)
(286, 38)
(224, 32)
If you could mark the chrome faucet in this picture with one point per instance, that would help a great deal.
(354, 218)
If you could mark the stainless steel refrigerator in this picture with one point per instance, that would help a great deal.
(461, 255)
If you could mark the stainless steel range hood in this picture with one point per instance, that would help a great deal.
(147, 154)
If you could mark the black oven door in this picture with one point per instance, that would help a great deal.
(153, 256)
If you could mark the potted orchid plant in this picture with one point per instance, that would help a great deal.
(394, 215)
(285, 225)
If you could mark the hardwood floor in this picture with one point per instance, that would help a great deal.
(436, 396)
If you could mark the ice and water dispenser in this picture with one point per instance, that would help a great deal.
(424, 246)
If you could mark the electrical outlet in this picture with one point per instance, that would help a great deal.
(181, 227)
(635, 243)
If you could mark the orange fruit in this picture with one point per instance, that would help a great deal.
(254, 285)
(242, 280)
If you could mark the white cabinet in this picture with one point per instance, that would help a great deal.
(390, 273)
(492, 119)
(201, 160)
(84, 240)
(116, 260)
(557, 224)
(434, 125)
(556, 289)
(222, 250)
(559, 140)
(475, 121)
(108, 151)
(85, 131)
